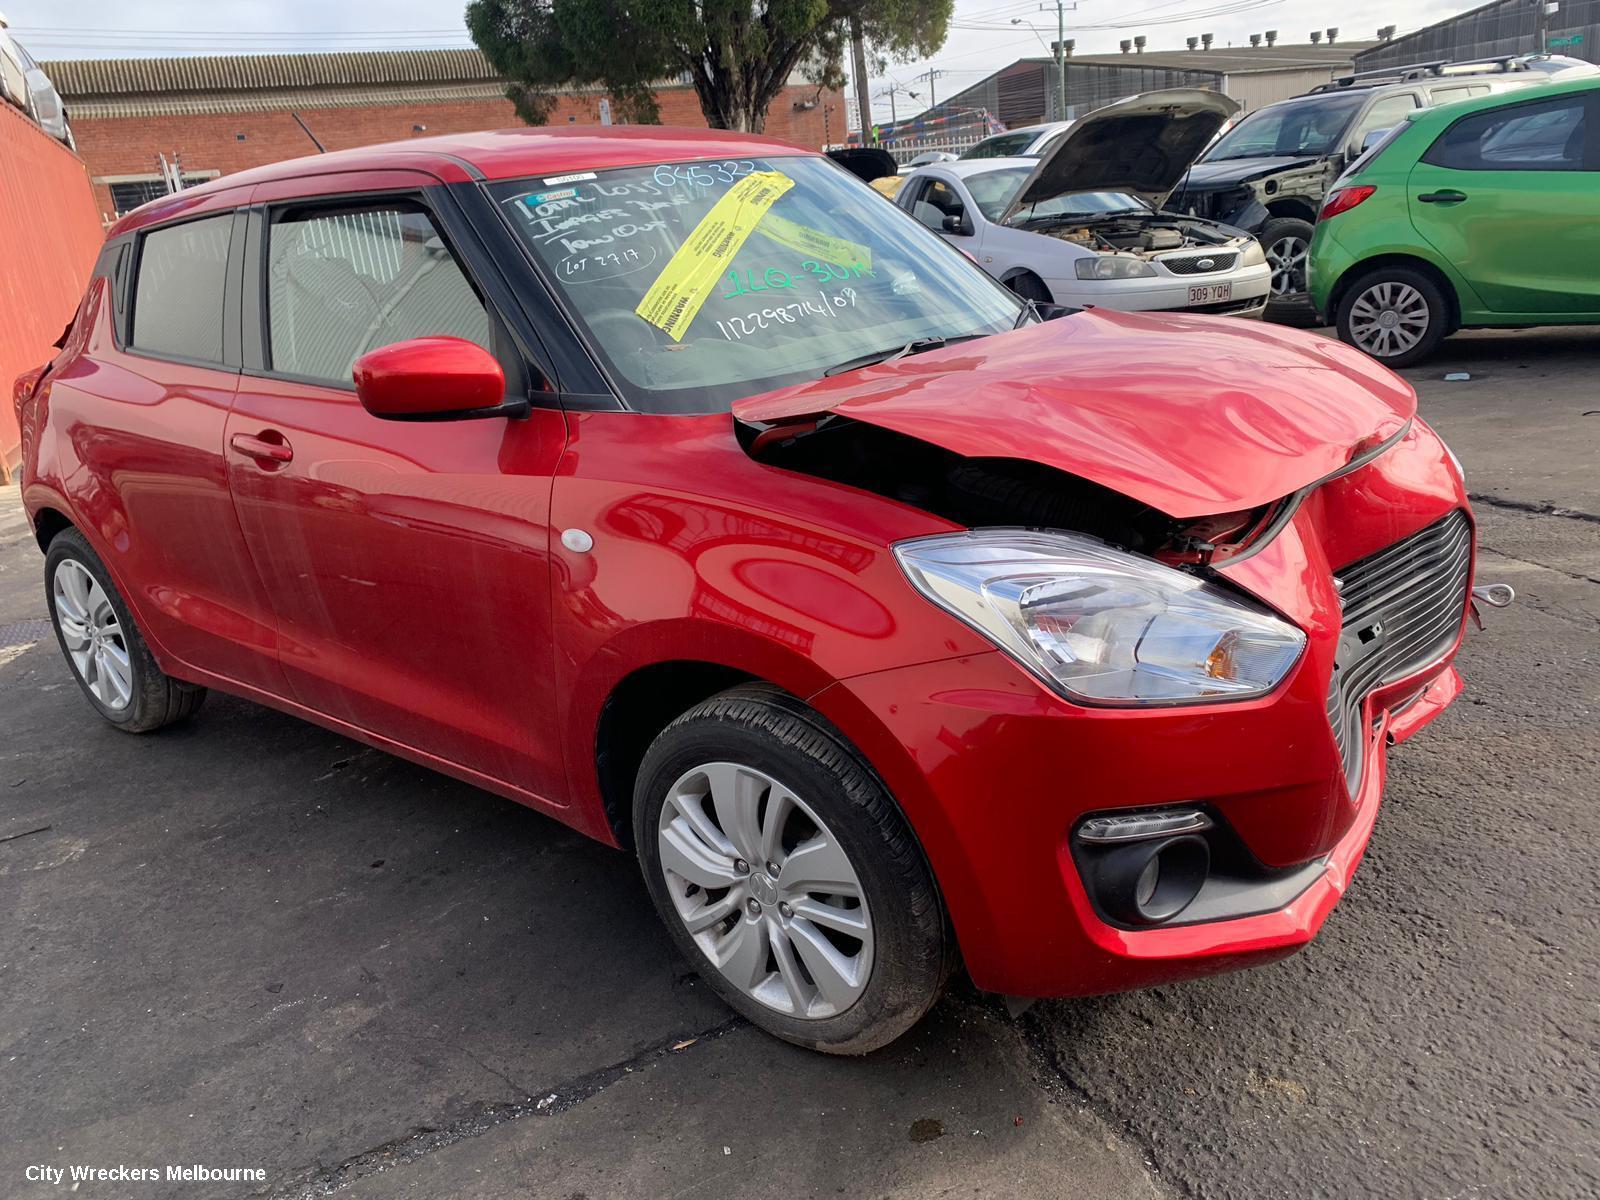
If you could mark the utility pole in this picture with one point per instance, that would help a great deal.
(930, 75)
(1061, 52)
(1541, 24)
(892, 91)
(858, 57)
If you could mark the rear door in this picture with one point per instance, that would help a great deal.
(141, 415)
(408, 562)
(1510, 195)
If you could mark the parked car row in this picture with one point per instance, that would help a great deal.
(1363, 184)
(1269, 173)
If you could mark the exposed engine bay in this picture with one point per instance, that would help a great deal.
(1136, 234)
(977, 492)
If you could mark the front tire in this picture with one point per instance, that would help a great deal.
(785, 872)
(1397, 315)
(102, 645)
(1029, 286)
(1287, 243)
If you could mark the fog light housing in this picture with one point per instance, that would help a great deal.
(1143, 869)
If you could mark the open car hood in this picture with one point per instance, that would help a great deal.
(1192, 417)
(1141, 145)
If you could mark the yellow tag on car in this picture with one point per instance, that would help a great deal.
(679, 292)
(815, 243)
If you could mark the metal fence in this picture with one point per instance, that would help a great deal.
(1502, 27)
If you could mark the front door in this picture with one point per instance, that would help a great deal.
(409, 563)
(1509, 196)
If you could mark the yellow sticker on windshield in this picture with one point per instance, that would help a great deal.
(679, 292)
(815, 243)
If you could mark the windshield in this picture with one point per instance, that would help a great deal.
(1313, 128)
(1002, 145)
(992, 192)
(700, 283)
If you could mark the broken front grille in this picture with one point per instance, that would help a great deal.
(1402, 608)
(1200, 264)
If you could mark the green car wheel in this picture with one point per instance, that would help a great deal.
(1398, 316)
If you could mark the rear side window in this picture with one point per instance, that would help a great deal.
(1385, 114)
(177, 297)
(1547, 136)
(342, 283)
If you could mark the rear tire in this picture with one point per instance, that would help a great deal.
(753, 777)
(1395, 314)
(1030, 287)
(104, 648)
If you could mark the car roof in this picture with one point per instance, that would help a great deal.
(1446, 114)
(487, 155)
(962, 167)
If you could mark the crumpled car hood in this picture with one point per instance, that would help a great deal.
(1192, 415)
(1226, 172)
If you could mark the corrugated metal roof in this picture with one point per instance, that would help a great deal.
(98, 78)
(197, 103)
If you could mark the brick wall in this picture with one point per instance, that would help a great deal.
(128, 146)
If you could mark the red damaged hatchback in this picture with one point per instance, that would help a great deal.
(675, 485)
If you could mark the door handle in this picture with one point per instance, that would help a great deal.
(268, 448)
(1446, 197)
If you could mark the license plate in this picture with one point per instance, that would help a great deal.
(1210, 293)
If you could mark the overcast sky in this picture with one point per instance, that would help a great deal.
(982, 38)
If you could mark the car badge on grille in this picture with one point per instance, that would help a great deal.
(1205, 264)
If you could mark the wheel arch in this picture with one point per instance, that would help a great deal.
(47, 522)
(1410, 262)
(632, 716)
(1298, 207)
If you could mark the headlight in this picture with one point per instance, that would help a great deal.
(1113, 266)
(1100, 625)
(1252, 255)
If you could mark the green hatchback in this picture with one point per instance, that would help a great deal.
(1484, 212)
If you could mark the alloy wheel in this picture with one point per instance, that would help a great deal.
(1287, 258)
(765, 890)
(92, 634)
(1389, 318)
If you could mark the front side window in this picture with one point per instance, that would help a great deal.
(699, 283)
(938, 202)
(1291, 130)
(345, 282)
(177, 297)
(1547, 136)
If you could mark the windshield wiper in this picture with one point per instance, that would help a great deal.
(915, 346)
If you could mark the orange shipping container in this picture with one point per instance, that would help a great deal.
(49, 236)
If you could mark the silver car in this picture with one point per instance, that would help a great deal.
(1084, 224)
(24, 83)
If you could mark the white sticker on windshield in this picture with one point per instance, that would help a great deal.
(578, 178)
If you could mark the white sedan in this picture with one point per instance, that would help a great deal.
(1083, 225)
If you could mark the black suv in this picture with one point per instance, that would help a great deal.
(1267, 175)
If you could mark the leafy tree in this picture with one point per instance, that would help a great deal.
(739, 54)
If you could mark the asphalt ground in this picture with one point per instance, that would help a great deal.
(247, 942)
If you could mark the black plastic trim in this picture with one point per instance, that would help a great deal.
(1238, 885)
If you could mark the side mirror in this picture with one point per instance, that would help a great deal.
(432, 379)
(1372, 139)
(955, 223)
